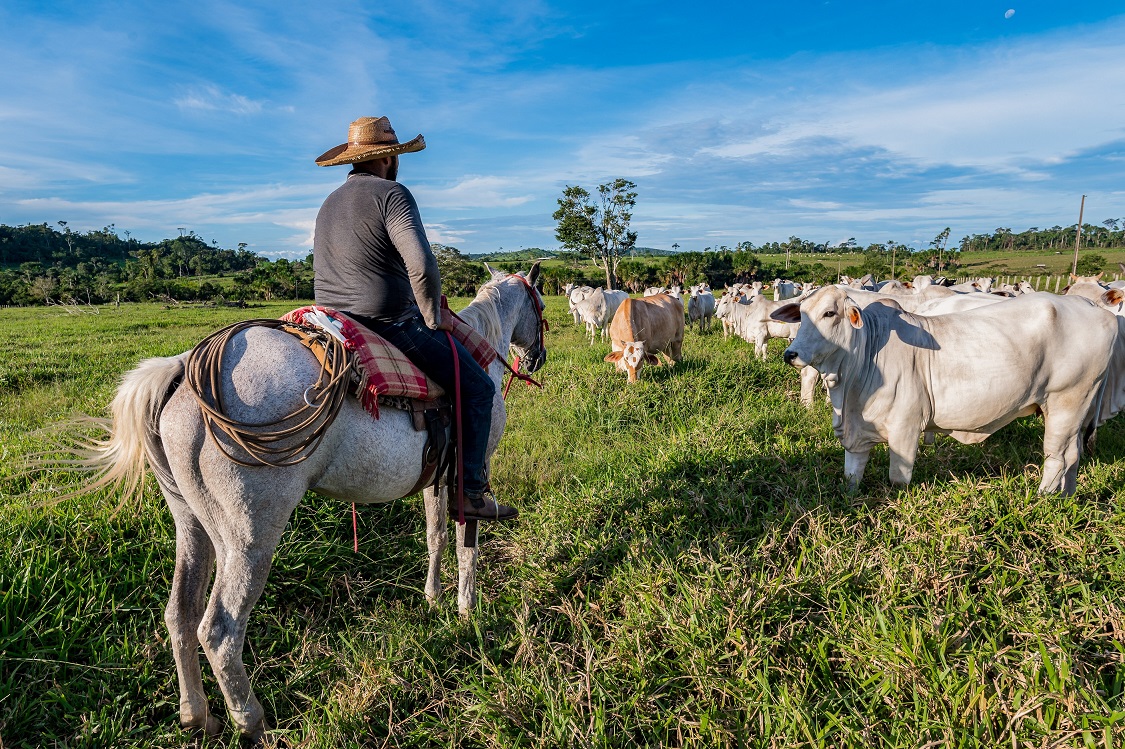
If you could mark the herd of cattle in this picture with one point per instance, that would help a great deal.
(900, 361)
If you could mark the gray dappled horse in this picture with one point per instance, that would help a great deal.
(230, 517)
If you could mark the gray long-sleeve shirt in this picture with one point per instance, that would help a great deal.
(370, 252)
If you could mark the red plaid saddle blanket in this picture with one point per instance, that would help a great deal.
(384, 370)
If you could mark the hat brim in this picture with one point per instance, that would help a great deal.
(346, 153)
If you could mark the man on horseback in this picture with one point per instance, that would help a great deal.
(372, 260)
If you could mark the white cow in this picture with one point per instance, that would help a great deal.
(893, 375)
(753, 323)
(724, 309)
(576, 295)
(597, 310)
(654, 290)
(701, 306)
(982, 284)
(783, 290)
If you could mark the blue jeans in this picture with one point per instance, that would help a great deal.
(429, 350)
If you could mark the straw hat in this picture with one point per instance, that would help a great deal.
(369, 138)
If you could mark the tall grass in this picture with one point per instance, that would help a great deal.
(688, 570)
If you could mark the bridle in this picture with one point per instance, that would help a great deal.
(541, 327)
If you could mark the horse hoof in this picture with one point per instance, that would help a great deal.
(257, 736)
(210, 725)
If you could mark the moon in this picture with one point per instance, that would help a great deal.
(1009, 12)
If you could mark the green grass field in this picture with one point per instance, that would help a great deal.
(688, 571)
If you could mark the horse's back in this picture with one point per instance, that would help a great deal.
(264, 377)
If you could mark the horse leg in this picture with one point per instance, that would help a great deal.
(466, 569)
(195, 558)
(437, 538)
(239, 580)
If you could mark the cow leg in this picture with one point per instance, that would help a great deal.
(903, 448)
(809, 378)
(855, 461)
(437, 538)
(676, 350)
(1060, 450)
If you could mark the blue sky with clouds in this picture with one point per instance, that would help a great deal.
(751, 121)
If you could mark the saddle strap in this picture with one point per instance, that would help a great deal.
(437, 444)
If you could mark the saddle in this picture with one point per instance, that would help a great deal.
(383, 376)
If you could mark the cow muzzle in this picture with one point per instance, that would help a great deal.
(791, 358)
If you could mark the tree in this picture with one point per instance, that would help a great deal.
(598, 229)
(1091, 264)
(459, 276)
(939, 243)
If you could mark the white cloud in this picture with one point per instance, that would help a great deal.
(211, 98)
(473, 192)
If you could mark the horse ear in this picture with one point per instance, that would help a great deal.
(493, 272)
(533, 274)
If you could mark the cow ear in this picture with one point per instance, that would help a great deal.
(614, 356)
(787, 313)
(651, 359)
(853, 315)
(1073, 278)
(1099, 276)
(1113, 297)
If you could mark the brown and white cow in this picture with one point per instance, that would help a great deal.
(643, 328)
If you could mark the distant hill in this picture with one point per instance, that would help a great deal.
(652, 252)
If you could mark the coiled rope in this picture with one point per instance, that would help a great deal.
(266, 444)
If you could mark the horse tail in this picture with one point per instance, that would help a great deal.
(132, 433)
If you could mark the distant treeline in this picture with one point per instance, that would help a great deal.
(1111, 233)
(40, 264)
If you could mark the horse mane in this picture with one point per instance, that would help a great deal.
(483, 313)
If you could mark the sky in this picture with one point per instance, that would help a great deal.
(753, 121)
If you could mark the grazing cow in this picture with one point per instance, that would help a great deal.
(893, 375)
(576, 295)
(598, 309)
(654, 290)
(701, 306)
(643, 328)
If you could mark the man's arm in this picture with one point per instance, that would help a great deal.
(404, 225)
